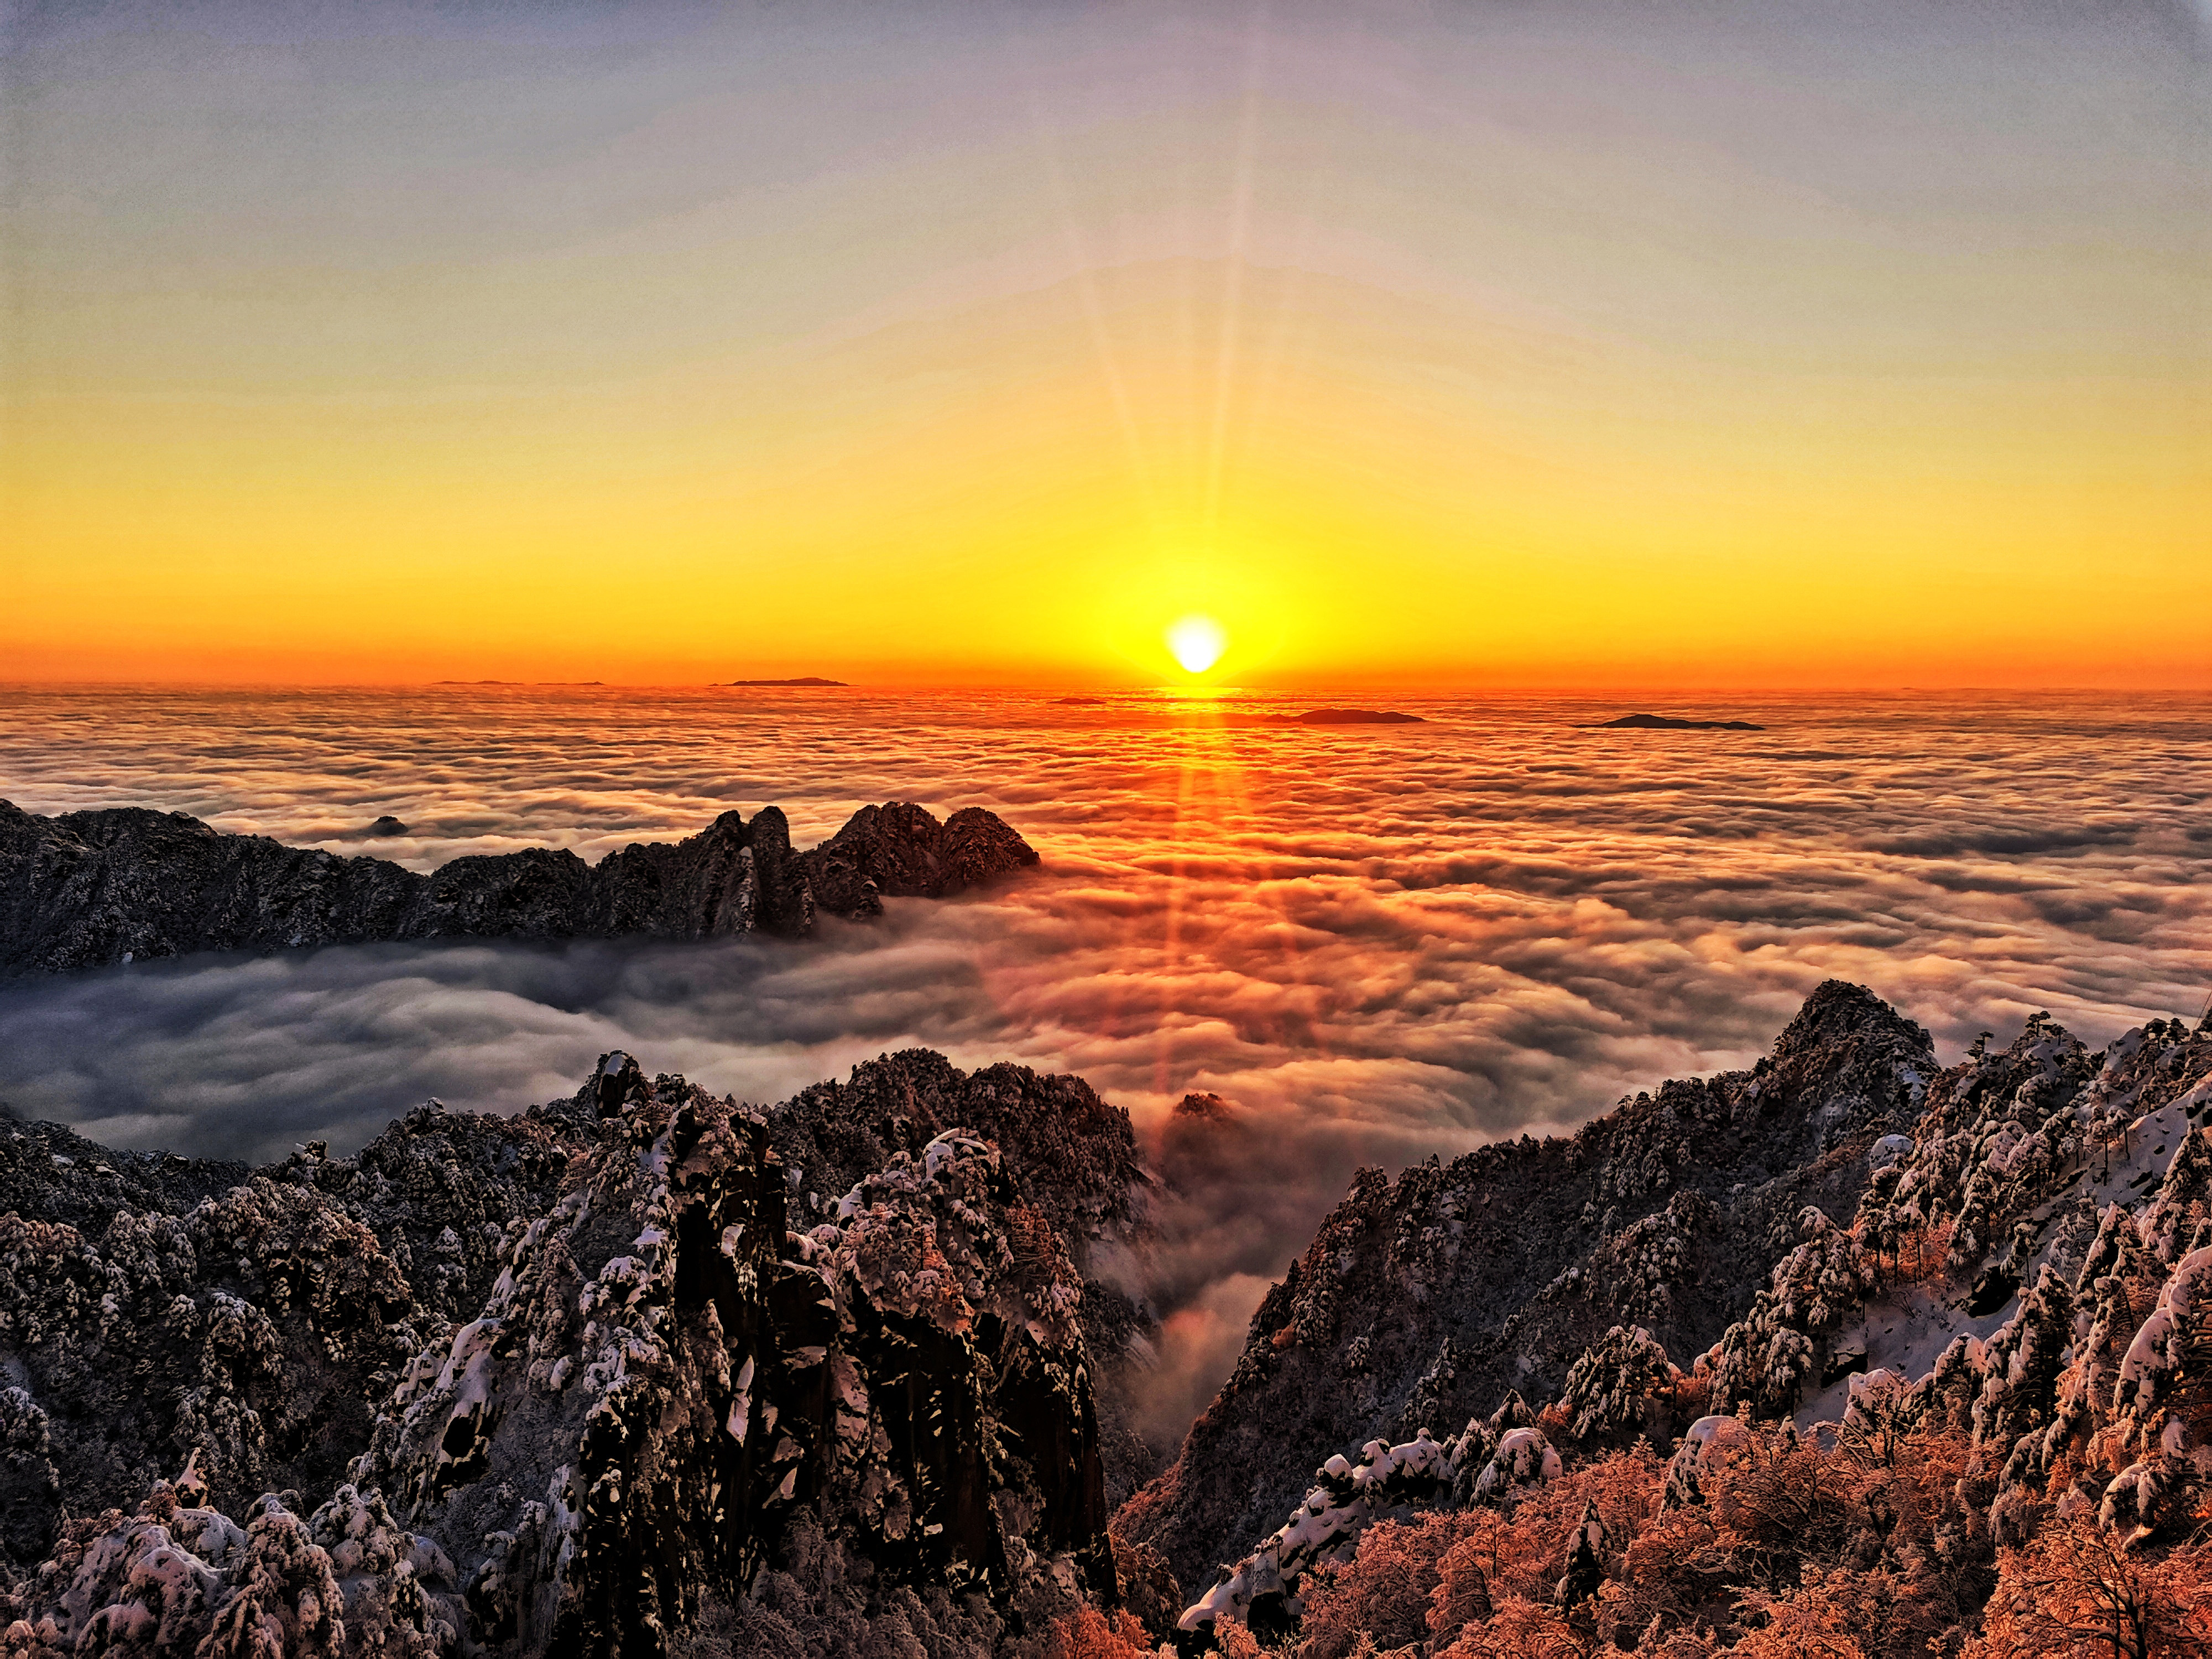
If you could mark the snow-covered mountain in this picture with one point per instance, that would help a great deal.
(1849, 1353)
(2010, 1258)
(567, 1381)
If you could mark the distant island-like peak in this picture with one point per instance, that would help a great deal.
(1668, 723)
(809, 680)
(1354, 717)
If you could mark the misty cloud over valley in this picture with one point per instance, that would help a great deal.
(1367, 946)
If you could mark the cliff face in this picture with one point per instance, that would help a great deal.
(121, 884)
(1422, 1302)
(665, 1376)
(1982, 1294)
(899, 851)
(1076, 1159)
(559, 1383)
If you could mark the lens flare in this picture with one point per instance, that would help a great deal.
(1197, 643)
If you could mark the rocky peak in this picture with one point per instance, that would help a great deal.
(124, 883)
(557, 1381)
(1422, 1300)
(899, 850)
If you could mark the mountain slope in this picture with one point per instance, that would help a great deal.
(1422, 1302)
(564, 1382)
(1969, 1409)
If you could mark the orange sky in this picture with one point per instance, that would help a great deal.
(979, 347)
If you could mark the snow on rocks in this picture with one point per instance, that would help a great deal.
(1515, 1258)
(660, 1378)
(1324, 1531)
(1889, 1149)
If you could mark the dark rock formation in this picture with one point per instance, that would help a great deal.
(1668, 723)
(386, 826)
(2074, 1186)
(806, 681)
(121, 884)
(666, 1375)
(245, 1322)
(559, 1383)
(645, 1371)
(1074, 1156)
(1422, 1300)
(900, 851)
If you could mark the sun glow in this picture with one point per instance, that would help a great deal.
(1197, 643)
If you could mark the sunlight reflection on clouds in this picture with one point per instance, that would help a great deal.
(1374, 944)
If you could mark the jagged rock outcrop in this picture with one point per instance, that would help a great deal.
(1074, 1156)
(666, 1374)
(1457, 1282)
(899, 851)
(647, 1371)
(2049, 1206)
(124, 883)
(572, 1381)
(164, 1310)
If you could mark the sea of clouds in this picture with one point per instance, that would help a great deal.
(1371, 944)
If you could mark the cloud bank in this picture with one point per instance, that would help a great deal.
(1370, 945)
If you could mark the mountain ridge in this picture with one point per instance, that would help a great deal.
(624, 1374)
(1475, 1255)
(119, 884)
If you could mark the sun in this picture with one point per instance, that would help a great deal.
(1197, 643)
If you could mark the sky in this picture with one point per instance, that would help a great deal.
(1543, 344)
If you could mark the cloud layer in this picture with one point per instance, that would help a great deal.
(1371, 945)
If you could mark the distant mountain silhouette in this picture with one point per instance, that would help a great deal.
(809, 681)
(1353, 717)
(1668, 723)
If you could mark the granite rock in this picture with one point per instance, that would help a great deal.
(124, 883)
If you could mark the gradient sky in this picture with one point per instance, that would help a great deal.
(1844, 344)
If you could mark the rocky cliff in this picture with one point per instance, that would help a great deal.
(1848, 1352)
(1423, 1301)
(1945, 1361)
(578, 1380)
(123, 884)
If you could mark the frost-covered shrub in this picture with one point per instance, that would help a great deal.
(2180, 1219)
(2021, 1364)
(2170, 1356)
(1618, 1385)
(1880, 1409)
(1524, 1461)
(1710, 1445)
